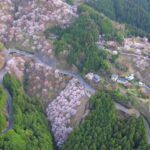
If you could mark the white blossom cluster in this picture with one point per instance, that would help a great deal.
(61, 110)
(16, 66)
(30, 20)
(44, 79)
(6, 19)
(140, 63)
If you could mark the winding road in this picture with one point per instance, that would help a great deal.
(52, 63)
(10, 104)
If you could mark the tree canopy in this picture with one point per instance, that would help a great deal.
(79, 40)
(103, 130)
(135, 13)
(3, 107)
(30, 129)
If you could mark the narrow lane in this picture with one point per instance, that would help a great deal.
(9, 104)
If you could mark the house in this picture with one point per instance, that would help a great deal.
(141, 84)
(114, 77)
(90, 76)
(115, 52)
(96, 78)
(122, 80)
(130, 78)
(93, 77)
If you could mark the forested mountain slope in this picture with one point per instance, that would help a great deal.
(78, 41)
(30, 130)
(74, 39)
(3, 104)
(104, 131)
(132, 12)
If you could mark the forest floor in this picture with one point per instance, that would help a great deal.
(81, 111)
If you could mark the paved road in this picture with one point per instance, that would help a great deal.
(41, 61)
(10, 103)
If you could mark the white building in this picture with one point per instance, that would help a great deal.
(90, 76)
(114, 77)
(131, 77)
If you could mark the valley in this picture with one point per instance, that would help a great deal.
(76, 77)
(70, 75)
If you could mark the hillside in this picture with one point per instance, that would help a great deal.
(132, 12)
(30, 128)
(78, 42)
(103, 130)
(74, 75)
(22, 23)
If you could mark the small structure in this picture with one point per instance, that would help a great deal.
(93, 77)
(115, 52)
(122, 80)
(90, 76)
(131, 77)
(141, 84)
(114, 77)
(96, 78)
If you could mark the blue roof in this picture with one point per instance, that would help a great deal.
(97, 77)
(122, 79)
